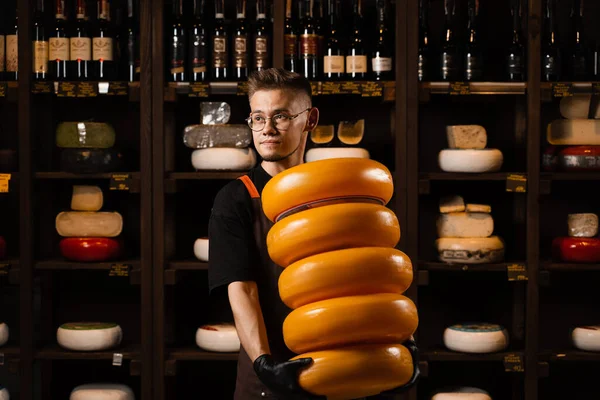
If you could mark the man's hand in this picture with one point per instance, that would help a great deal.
(414, 352)
(282, 378)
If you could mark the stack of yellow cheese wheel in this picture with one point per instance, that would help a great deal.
(342, 277)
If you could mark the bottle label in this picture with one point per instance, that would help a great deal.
(290, 49)
(198, 54)
(177, 56)
(309, 45)
(219, 52)
(40, 56)
(103, 49)
(382, 64)
(59, 49)
(12, 53)
(333, 64)
(81, 49)
(2, 53)
(261, 52)
(241, 52)
(356, 64)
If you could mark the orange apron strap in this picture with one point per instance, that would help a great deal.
(250, 186)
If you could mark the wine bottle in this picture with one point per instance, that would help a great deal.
(334, 59)
(262, 41)
(516, 53)
(309, 43)
(473, 49)
(80, 46)
(356, 57)
(240, 43)
(103, 63)
(133, 41)
(58, 53)
(40, 44)
(220, 51)
(449, 55)
(320, 25)
(198, 45)
(12, 50)
(290, 37)
(580, 56)
(381, 58)
(424, 50)
(551, 54)
(177, 44)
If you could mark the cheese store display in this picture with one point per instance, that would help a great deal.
(221, 338)
(102, 391)
(349, 134)
(336, 251)
(201, 249)
(582, 245)
(467, 152)
(4, 394)
(577, 107)
(461, 393)
(4, 333)
(464, 236)
(89, 336)
(586, 338)
(476, 338)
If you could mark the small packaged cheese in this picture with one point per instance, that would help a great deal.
(465, 225)
(466, 136)
(449, 204)
(583, 225)
(479, 208)
(86, 198)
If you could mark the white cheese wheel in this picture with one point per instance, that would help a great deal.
(449, 204)
(102, 391)
(587, 338)
(479, 208)
(577, 107)
(224, 158)
(583, 225)
(4, 333)
(465, 225)
(218, 337)
(574, 132)
(4, 395)
(466, 136)
(476, 338)
(323, 153)
(89, 224)
(86, 198)
(462, 393)
(472, 161)
(89, 336)
(201, 249)
(470, 250)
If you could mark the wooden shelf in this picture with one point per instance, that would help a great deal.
(570, 355)
(205, 175)
(446, 355)
(546, 179)
(133, 185)
(197, 354)
(472, 88)
(568, 267)
(10, 350)
(88, 89)
(425, 178)
(55, 352)
(444, 267)
(60, 264)
(548, 91)
(188, 265)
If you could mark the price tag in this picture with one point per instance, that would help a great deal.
(118, 89)
(315, 87)
(117, 359)
(87, 89)
(67, 89)
(562, 89)
(4, 178)
(372, 89)
(3, 86)
(242, 88)
(516, 272)
(119, 270)
(513, 363)
(41, 87)
(350, 87)
(460, 88)
(328, 88)
(120, 182)
(199, 89)
(516, 183)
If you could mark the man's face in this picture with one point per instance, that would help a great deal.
(272, 143)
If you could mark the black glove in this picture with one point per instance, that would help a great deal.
(282, 378)
(414, 352)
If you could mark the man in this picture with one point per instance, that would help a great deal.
(281, 117)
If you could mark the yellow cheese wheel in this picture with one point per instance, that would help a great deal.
(356, 371)
(342, 321)
(333, 227)
(348, 272)
(325, 181)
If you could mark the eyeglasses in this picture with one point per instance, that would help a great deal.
(281, 122)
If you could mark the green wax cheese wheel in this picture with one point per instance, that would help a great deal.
(87, 326)
(98, 135)
(91, 161)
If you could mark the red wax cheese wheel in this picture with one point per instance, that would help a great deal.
(333, 227)
(332, 323)
(577, 249)
(549, 158)
(348, 272)
(579, 158)
(326, 181)
(91, 249)
(2, 248)
(356, 371)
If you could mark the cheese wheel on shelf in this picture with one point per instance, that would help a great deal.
(550, 159)
(89, 224)
(97, 135)
(579, 158)
(102, 391)
(568, 132)
(451, 204)
(465, 225)
(470, 250)
(461, 393)
(348, 272)
(586, 338)
(343, 321)
(476, 338)
(470, 161)
(4, 333)
(91, 161)
(478, 208)
(3, 248)
(224, 158)
(583, 225)
(325, 153)
(86, 198)
(466, 136)
(201, 249)
(218, 337)
(576, 249)
(89, 336)
(332, 227)
(4, 394)
(356, 371)
(90, 249)
(323, 182)
(577, 107)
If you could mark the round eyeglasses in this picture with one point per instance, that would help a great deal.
(281, 122)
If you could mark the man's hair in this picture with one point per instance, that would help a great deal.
(278, 78)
